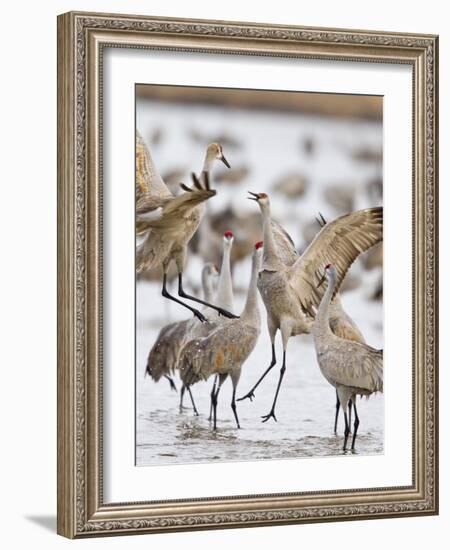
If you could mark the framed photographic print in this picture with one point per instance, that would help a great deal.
(226, 362)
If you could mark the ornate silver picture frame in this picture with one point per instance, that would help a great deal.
(82, 41)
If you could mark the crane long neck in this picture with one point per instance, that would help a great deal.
(208, 290)
(225, 297)
(271, 258)
(208, 163)
(250, 314)
(322, 318)
(203, 207)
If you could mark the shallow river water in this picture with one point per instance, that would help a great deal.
(305, 409)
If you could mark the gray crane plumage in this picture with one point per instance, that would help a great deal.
(289, 292)
(166, 222)
(342, 325)
(227, 347)
(163, 357)
(223, 298)
(353, 368)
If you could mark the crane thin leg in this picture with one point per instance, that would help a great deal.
(215, 399)
(346, 432)
(183, 389)
(272, 410)
(169, 296)
(183, 294)
(192, 401)
(350, 406)
(355, 426)
(250, 395)
(233, 406)
(213, 389)
(338, 404)
(171, 382)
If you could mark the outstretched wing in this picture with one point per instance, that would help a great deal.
(339, 243)
(285, 245)
(150, 188)
(172, 211)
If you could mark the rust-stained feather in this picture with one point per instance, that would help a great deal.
(222, 351)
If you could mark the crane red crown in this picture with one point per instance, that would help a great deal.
(328, 266)
(258, 245)
(263, 195)
(228, 234)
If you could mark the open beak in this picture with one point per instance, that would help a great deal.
(224, 160)
(320, 283)
(255, 196)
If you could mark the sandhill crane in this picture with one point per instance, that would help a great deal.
(289, 292)
(169, 222)
(163, 357)
(225, 350)
(343, 326)
(224, 298)
(340, 322)
(351, 367)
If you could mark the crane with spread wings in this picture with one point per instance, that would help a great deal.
(166, 223)
(289, 288)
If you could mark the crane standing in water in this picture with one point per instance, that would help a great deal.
(342, 325)
(352, 368)
(224, 298)
(227, 347)
(289, 292)
(162, 361)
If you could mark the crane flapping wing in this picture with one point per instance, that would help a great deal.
(178, 206)
(338, 243)
(285, 245)
(150, 187)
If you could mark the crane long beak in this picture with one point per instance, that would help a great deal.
(224, 160)
(255, 196)
(320, 283)
(321, 220)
